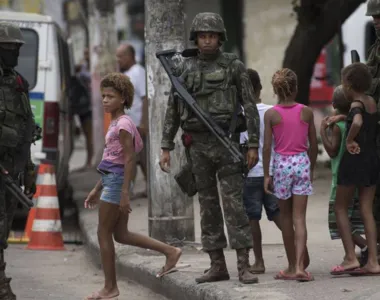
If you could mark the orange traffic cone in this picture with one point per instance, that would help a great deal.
(47, 227)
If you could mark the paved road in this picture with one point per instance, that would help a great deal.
(61, 275)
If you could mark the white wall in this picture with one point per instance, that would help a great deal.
(268, 29)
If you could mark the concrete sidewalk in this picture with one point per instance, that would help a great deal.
(142, 265)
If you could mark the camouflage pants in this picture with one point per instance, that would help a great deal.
(210, 158)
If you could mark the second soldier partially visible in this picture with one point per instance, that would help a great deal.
(220, 85)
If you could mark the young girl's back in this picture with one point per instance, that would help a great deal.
(291, 134)
(292, 164)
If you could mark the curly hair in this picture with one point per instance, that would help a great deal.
(358, 77)
(120, 83)
(340, 101)
(255, 80)
(284, 83)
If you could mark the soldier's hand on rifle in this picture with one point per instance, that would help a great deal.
(252, 157)
(165, 161)
(30, 184)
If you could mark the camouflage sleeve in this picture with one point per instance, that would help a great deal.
(171, 123)
(246, 96)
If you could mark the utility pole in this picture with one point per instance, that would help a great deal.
(171, 213)
(103, 43)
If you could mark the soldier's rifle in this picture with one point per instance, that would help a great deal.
(165, 57)
(14, 189)
(355, 56)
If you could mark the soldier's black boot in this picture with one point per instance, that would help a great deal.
(218, 270)
(5, 287)
(245, 276)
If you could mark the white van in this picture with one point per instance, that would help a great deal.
(46, 63)
(358, 34)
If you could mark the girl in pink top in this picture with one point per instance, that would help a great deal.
(295, 137)
(122, 143)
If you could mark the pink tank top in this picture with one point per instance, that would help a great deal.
(291, 135)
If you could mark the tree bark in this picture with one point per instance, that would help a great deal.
(317, 25)
(171, 215)
(103, 42)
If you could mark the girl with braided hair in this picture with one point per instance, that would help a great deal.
(295, 154)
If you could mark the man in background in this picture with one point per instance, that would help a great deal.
(126, 57)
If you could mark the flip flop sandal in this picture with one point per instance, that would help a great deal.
(362, 272)
(283, 276)
(96, 296)
(172, 270)
(340, 270)
(305, 279)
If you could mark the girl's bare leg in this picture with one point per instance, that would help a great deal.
(344, 195)
(108, 216)
(123, 236)
(286, 217)
(299, 221)
(366, 196)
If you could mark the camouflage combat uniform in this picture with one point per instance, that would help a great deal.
(16, 133)
(373, 62)
(217, 82)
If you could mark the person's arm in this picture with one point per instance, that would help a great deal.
(126, 141)
(267, 147)
(357, 122)
(98, 187)
(313, 142)
(246, 94)
(331, 145)
(171, 123)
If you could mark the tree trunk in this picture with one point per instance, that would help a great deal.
(313, 31)
(103, 42)
(171, 215)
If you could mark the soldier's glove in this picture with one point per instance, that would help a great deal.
(30, 183)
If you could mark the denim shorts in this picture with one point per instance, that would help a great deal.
(112, 185)
(255, 198)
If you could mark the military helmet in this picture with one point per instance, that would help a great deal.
(208, 22)
(373, 8)
(10, 33)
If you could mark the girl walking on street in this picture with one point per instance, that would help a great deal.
(292, 127)
(358, 169)
(122, 143)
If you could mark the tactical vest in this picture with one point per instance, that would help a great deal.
(212, 88)
(16, 122)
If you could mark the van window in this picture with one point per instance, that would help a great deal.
(370, 37)
(64, 54)
(28, 59)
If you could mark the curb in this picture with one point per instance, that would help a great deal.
(176, 286)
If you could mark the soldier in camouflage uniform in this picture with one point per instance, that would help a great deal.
(219, 83)
(16, 134)
(373, 62)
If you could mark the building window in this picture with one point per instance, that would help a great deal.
(28, 59)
